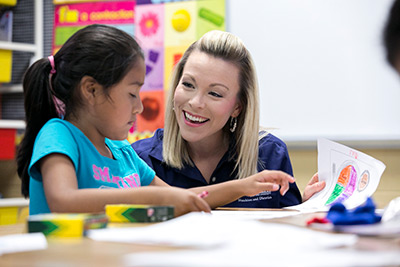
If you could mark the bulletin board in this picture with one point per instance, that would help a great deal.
(164, 30)
(321, 67)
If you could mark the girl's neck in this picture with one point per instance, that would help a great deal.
(93, 135)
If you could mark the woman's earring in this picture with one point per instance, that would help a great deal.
(233, 124)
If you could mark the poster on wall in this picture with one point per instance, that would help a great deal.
(164, 30)
(69, 18)
(59, 2)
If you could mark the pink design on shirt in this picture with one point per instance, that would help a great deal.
(103, 174)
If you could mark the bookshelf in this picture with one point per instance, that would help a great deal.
(36, 49)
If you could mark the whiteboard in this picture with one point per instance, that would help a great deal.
(321, 67)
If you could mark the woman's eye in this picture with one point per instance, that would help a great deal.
(188, 85)
(133, 95)
(215, 94)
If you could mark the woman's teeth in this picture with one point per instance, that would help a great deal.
(194, 119)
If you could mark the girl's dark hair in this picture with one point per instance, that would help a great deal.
(391, 34)
(102, 52)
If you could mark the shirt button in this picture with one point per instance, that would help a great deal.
(213, 179)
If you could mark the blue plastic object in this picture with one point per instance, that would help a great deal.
(364, 214)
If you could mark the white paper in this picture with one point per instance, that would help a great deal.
(242, 243)
(206, 231)
(22, 242)
(253, 214)
(190, 230)
(350, 175)
(263, 257)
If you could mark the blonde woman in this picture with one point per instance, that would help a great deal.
(212, 137)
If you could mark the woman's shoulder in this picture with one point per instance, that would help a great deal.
(270, 143)
(266, 138)
(147, 145)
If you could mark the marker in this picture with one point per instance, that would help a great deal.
(203, 194)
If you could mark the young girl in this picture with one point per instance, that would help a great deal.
(78, 104)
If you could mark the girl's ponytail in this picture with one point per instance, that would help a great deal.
(39, 108)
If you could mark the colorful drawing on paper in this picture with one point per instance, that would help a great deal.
(364, 181)
(345, 185)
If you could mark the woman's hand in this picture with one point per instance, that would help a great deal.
(313, 186)
(267, 181)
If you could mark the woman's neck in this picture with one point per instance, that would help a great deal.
(207, 154)
(210, 148)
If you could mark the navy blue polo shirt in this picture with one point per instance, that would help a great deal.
(273, 155)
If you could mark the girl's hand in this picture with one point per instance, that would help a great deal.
(267, 181)
(313, 186)
(184, 201)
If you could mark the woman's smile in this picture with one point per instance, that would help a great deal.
(195, 119)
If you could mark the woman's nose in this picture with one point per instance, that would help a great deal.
(197, 101)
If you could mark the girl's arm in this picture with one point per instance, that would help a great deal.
(62, 193)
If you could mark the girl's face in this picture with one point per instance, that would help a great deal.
(118, 111)
(206, 97)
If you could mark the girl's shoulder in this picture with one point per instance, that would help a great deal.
(57, 124)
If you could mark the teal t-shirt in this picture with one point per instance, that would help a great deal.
(92, 169)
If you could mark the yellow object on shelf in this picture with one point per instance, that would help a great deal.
(13, 210)
(6, 64)
(8, 2)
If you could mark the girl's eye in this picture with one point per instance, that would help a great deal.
(132, 95)
(215, 94)
(187, 85)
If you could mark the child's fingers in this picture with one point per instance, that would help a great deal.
(201, 205)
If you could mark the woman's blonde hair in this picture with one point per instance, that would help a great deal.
(226, 46)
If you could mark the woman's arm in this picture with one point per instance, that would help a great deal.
(62, 193)
(224, 193)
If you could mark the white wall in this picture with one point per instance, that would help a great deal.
(321, 67)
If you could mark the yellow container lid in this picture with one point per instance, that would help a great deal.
(6, 65)
(8, 2)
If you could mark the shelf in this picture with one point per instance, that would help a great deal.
(12, 88)
(18, 46)
(36, 49)
(12, 124)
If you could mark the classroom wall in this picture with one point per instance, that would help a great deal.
(304, 163)
(321, 67)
